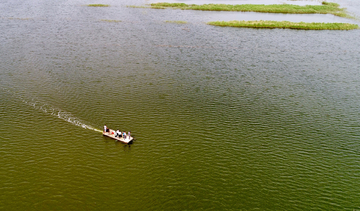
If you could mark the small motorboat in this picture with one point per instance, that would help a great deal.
(111, 134)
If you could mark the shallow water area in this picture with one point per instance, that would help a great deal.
(223, 118)
(206, 16)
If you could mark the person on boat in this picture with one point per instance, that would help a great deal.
(120, 134)
(105, 129)
(117, 133)
(124, 135)
(129, 134)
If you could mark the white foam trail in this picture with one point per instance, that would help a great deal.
(60, 114)
(48, 109)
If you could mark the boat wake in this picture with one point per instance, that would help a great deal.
(48, 109)
(51, 110)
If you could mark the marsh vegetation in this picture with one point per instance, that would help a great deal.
(98, 5)
(286, 24)
(325, 8)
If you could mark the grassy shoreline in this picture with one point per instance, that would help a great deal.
(98, 5)
(286, 24)
(325, 8)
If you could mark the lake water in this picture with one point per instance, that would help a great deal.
(224, 118)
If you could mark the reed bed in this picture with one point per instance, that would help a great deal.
(98, 5)
(286, 24)
(325, 8)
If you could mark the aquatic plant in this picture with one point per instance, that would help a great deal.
(286, 24)
(330, 4)
(157, 7)
(98, 5)
(325, 8)
(178, 22)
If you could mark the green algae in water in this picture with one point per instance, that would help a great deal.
(325, 8)
(98, 5)
(286, 24)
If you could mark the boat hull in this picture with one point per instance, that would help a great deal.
(111, 134)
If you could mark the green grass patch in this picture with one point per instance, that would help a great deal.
(111, 21)
(178, 22)
(147, 7)
(98, 5)
(286, 25)
(330, 4)
(325, 8)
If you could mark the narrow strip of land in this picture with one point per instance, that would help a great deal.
(325, 8)
(98, 5)
(286, 24)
